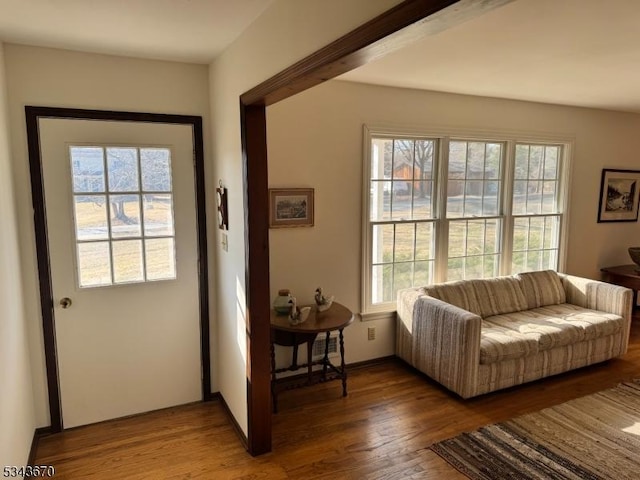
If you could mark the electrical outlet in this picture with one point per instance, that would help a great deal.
(371, 332)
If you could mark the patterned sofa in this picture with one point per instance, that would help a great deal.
(477, 336)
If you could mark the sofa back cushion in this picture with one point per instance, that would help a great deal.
(498, 295)
(460, 293)
(542, 288)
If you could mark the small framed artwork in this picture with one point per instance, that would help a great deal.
(290, 207)
(619, 190)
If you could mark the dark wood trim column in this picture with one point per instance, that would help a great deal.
(386, 33)
(256, 215)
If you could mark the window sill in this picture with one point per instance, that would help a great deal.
(368, 317)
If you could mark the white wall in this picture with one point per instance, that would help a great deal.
(315, 140)
(59, 78)
(17, 415)
(287, 31)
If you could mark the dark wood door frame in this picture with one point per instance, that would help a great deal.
(33, 114)
(384, 34)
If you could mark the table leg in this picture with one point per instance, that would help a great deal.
(274, 394)
(309, 360)
(325, 359)
(342, 365)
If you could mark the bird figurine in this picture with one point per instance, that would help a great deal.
(297, 315)
(323, 302)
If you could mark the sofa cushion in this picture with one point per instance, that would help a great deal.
(542, 288)
(499, 295)
(498, 343)
(460, 293)
(546, 329)
(595, 324)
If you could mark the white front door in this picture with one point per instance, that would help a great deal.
(121, 223)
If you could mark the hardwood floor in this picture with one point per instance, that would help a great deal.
(382, 430)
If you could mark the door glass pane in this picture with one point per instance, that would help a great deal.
(127, 261)
(158, 215)
(155, 165)
(160, 259)
(125, 215)
(94, 266)
(87, 167)
(91, 217)
(123, 169)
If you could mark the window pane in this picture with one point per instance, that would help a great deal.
(473, 267)
(380, 200)
(536, 153)
(155, 164)
(457, 238)
(382, 284)
(457, 159)
(475, 160)
(536, 226)
(94, 266)
(91, 217)
(519, 197)
(125, 215)
(404, 242)
(381, 158)
(127, 261)
(403, 159)
(123, 169)
(402, 277)
(549, 204)
(490, 266)
(534, 197)
(475, 238)
(490, 201)
(401, 206)
(534, 260)
(424, 241)
(493, 160)
(551, 228)
(87, 166)
(158, 215)
(551, 162)
(382, 243)
(518, 262)
(522, 162)
(422, 200)
(471, 165)
(473, 198)
(455, 269)
(422, 273)
(160, 259)
(455, 198)
(424, 150)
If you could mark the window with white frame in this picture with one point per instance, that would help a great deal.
(443, 208)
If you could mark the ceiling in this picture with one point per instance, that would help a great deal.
(193, 31)
(570, 52)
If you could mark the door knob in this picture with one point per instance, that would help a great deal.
(65, 302)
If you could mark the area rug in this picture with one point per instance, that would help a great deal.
(592, 437)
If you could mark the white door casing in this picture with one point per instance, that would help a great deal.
(126, 348)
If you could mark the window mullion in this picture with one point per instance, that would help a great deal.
(506, 201)
(442, 222)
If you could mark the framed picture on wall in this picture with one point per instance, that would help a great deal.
(290, 207)
(619, 191)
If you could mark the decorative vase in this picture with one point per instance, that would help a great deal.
(634, 253)
(282, 304)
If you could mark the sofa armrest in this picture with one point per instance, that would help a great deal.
(446, 344)
(598, 295)
(601, 296)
